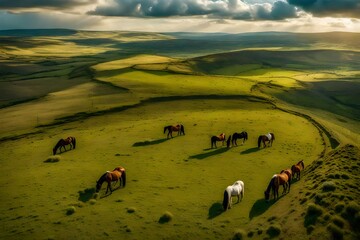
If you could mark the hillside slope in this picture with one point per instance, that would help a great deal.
(324, 204)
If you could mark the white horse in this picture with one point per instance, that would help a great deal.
(236, 189)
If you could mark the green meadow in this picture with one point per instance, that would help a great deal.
(116, 91)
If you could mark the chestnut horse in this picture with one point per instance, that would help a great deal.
(178, 128)
(63, 142)
(220, 138)
(236, 189)
(270, 137)
(242, 135)
(275, 182)
(118, 174)
(297, 168)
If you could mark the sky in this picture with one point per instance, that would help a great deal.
(232, 16)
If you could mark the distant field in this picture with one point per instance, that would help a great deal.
(115, 92)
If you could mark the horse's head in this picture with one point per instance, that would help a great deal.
(267, 196)
(98, 186)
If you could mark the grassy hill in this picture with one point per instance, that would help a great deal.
(115, 92)
(324, 204)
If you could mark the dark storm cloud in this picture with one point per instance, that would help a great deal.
(51, 4)
(228, 9)
(329, 8)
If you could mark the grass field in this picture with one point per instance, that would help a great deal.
(117, 95)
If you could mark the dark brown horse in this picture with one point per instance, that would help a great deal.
(270, 137)
(118, 174)
(242, 135)
(276, 181)
(178, 128)
(63, 142)
(220, 138)
(297, 168)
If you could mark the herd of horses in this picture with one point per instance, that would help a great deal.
(283, 178)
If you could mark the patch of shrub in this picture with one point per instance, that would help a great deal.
(131, 210)
(313, 212)
(352, 209)
(273, 231)
(271, 218)
(70, 210)
(92, 201)
(339, 207)
(239, 234)
(310, 228)
(335, 231)
(338, 221)
(328, 186)
(53, 159)
(302, 201)
(250, 234)
(345, 176)
(166, 217)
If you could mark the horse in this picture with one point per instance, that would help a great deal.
(297, 168)
(63, 142)
(270, 137)
(118, 174)
(236, 189)
(242, 135)
(178, 128)
(288, 172)
(220, 138)
(276, 181)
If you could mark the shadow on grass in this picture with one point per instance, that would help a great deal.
(215, 210)
(259, 207)
(250, 150)
(209, 154)
(146, 143)
(86, 194)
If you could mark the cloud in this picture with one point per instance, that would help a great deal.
(329, 8)
(227, 9)
(49, 4)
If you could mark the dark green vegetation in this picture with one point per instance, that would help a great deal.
(115, 91)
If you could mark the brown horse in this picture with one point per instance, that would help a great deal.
(242, 135)
(178, 128)
(220, 138)
(63, 142)
(118, 174)
(276, 181)
(297, 168)
(270, 137)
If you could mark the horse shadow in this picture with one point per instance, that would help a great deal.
(86, 195)
(250, 150)
(215, 210)
(259, 207)
(147, 143)
(209, 154)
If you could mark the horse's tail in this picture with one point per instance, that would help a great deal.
(228, 142)
(226, 200)
(245, 135)
(259, 141)
(123, 178)
(74, 142)
(242, 188)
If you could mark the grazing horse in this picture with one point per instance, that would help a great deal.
(118, 174)
(242, 135)
(236, 189)
(63, 142)
(270, 137)
(275, 182)
(220, 138)
(297, 168)
(178, 128)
